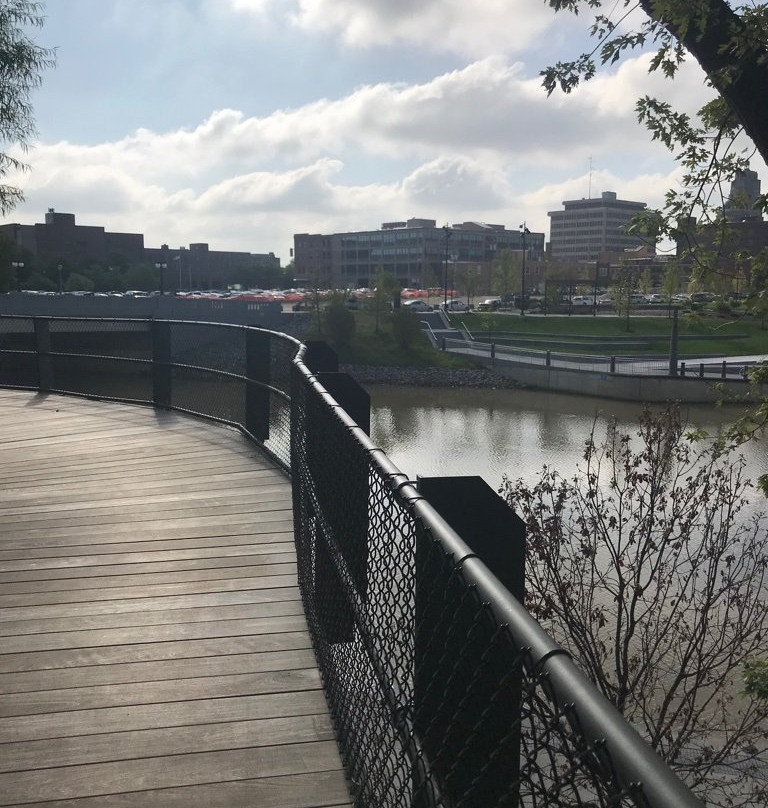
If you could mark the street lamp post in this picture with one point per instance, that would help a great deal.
(17, 265)
(61, 281)
(161, 266)
(524, 231)
(447, 235)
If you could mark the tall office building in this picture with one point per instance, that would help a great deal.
(588, 227)
(740, 205)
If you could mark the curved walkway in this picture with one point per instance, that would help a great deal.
(153, 649)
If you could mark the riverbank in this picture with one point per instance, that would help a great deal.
(431, 377)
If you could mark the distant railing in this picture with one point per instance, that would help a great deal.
(600, 363)
(443, 690)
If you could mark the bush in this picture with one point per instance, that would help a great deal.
(339, 323)
(405, 328)
(644, 566)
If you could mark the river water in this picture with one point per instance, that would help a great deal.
(490, 433)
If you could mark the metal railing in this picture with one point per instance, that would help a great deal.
(443, 690)
(600, 363)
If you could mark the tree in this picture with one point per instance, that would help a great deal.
(646, 568)
(21, 65)
(405, 328)
(387, 288)
(508, 271)
(730, 45)
(77, 282)
(339, 321)
(622, 288)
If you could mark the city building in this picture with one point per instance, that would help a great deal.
(588, 227)
(417, 252)
(59, 241)
(744, 193)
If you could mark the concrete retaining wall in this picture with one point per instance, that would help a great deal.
(646, 389)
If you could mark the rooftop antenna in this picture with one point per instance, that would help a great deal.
(589, 193)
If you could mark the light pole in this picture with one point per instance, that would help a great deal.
(524, 231)
(161, 266)
(17, 265)
(61, 282)
(447, 235)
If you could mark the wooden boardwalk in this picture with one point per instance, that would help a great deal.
(153, 649)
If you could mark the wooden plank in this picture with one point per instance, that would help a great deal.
(316, 790)
(165, 691)
(168, 771)
(60, 593)
(152, 716)
(147, 604)
(137, 618)
(57, 752)
(87, 675)
(174, 650)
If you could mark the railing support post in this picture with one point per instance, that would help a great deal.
(162, 372)
(257, 364)
(474, 678)
(673, 340)
(42, 328)
(548, 359)
(724, 369)
(342, 499)
(613, 364)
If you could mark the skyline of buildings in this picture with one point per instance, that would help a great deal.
(416, 251)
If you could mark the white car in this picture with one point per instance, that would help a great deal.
(580, 300)
(454, 305)
(416, 305)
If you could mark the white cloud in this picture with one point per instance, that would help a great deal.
(469, 29)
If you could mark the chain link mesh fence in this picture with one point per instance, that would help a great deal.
(443, 690)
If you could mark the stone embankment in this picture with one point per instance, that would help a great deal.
(430, 377)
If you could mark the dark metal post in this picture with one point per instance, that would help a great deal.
(447, 235)
(673, 339)
(343, 504)
(45, 377)
(724, 369)
(448, 698)
(524, 232)
(162, 373)
(613, 364)
(257, 370)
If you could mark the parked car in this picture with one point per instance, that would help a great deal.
(656, 298)
(489, 304)
(416, 305)
(454, 305)
(581, 300)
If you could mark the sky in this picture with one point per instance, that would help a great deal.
(241, 122)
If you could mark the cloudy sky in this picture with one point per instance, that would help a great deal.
(242, 122)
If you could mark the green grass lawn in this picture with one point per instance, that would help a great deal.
(699, 334)
(375, 345)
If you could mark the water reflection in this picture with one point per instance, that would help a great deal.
(515, 432)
